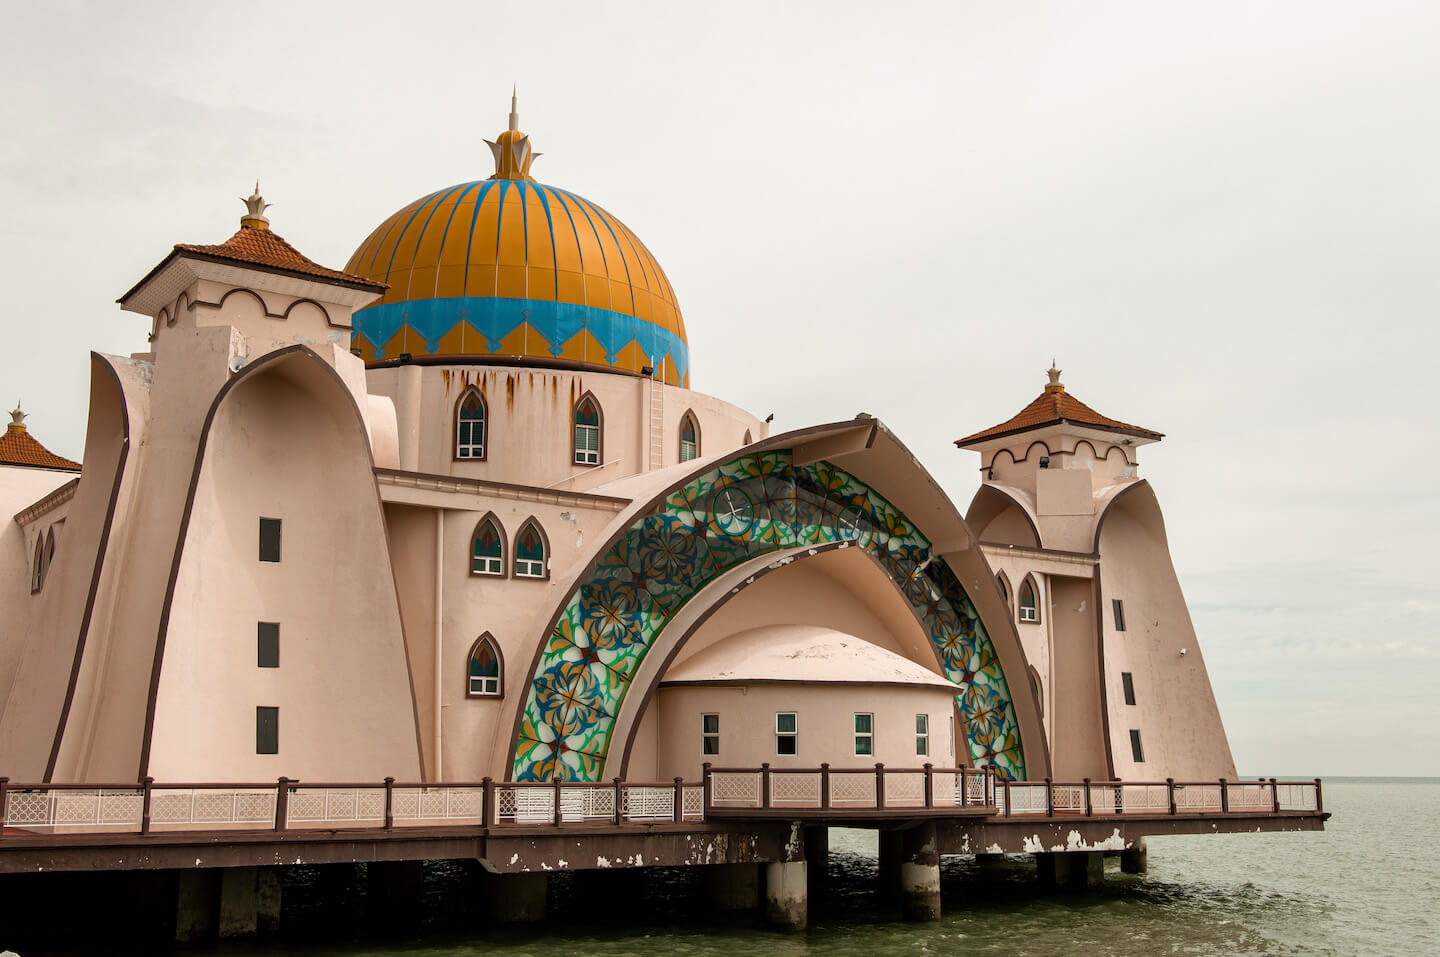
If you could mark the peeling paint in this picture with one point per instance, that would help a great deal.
(602, 862)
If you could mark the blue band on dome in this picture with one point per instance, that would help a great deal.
(495, 318)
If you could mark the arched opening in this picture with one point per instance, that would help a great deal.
(746, 440)
(1029, 601)
(484, 676)
(531, 552)
(689, 437)
(37, 567)
(587, 431)
(470, 425)
(1003, 584)
(487, 548)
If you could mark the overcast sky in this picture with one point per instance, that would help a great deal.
(1220, 218)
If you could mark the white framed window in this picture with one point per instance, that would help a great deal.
(864, 733)
(689, 438)
(1029, 604)
(787, 732)
(484, 669)
(529, 552)
(922, 734)
(470, 427)
(587, 432)
(709, 734)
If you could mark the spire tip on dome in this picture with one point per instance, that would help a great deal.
(514, 109)
(511, 149)
(1055, 384)
(255, 207)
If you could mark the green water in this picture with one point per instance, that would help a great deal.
(1369, 885)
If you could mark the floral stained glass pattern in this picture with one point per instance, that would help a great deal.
(745, 508)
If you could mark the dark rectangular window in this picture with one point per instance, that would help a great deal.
(267, 730)
(710, 734)
(1128, 680)
(787, 733)
(1135, 750)
(268, 644)
(1119, 607)
(269, 539)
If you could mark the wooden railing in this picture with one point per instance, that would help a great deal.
(289, 804)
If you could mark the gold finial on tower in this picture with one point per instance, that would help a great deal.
(1055, 384)
(255, 207)
(17, 418)
(512, 151)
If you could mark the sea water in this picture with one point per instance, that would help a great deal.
(1370, 884)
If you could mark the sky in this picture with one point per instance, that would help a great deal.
(1220, 220)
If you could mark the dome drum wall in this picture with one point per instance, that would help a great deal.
(529, 422)
(509, 269)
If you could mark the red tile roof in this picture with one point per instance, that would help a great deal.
(262, 247)
(18, 448)
(1052, 407)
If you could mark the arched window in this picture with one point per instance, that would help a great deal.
(1029, 605)
(470, 426)
(689, 438)
(37, 567)
(483, 673)
(1004, 584)
(487, 548)
(587, 431)
(530, 552)
(747, 440)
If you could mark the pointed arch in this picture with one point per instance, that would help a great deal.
(689, 436)
(746, 440)
(1029, 601)
(37, 567)
(532, 551)
(485, 669)
(588, 445)
(1003, 583)
(487, 547)
(472, 421)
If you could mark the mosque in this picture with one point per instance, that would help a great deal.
(455, 511)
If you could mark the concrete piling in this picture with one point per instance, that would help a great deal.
(1071, 870)
(1135, 859)
(733, 886)
(786, 899)
(919, 889)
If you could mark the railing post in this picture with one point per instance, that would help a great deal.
(1319, 801)
(1007, 797)
(1089, 808)
(390, 804)
(557, 800)
(765, 784)
(1275, 795)
(282, 802)
(824, 784)
(489, 813)
(1224, 797)
(706, 794)
(879, 784)
(4, 796)
(147, 784)
(619, 788)
(1170, 793)
(929, 784)
(1049, 799)
(964, 791)
(679, 814)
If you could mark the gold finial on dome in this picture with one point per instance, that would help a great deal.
(255, 207)
(17, 418)
(511, 149)
(1055, 384)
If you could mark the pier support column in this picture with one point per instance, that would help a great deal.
(733, 886)
(518, 898)
(920, 874)
(786, 902)
(1071, 870)
(1135, 859)
(267, 902)
(239, 913)
(891, 846)
(989, 862)
(817, 852)
(197, 905)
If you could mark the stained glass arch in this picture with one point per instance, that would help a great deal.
(484, 669)
(689, 437)
(471, 422)
(487, 547)
(532, 551)
(589, 432)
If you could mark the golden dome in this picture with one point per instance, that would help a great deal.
(508, 267)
